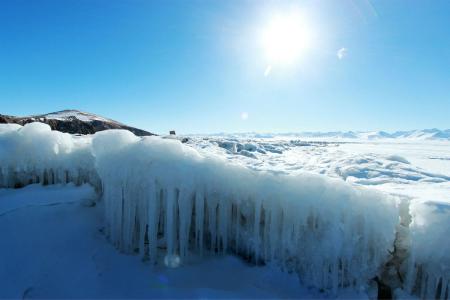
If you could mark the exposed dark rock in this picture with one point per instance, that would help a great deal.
(67, 121)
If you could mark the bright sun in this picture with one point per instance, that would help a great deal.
(285, 39)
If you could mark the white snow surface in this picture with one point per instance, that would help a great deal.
(326, 211)
(418, 170)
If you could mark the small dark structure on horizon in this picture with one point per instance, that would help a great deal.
(172, 132)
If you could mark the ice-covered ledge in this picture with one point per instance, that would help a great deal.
(160, 192)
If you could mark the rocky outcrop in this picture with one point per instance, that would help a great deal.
(70, 121)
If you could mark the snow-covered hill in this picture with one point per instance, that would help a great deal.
(74, 121)
(70, 114)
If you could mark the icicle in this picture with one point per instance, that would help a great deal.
(430, 287)
(266, 235)
(185, 212)
(274, 232)
(143, 220)
(423, 284)
(446, 294)
(154, 197)
(238, 226)
(224, 217)
(170, 220)
(256, 228)
(199, 220)
(116, 213)
(335, 276)
(212, 220)
(284, 239)
(129, 217)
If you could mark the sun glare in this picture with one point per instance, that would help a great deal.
(285, 38)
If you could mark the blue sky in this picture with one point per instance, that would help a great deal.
(198, 66)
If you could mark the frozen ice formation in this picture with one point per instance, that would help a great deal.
(161, 195)
(167, 199)
(428, 263)
(36, 154)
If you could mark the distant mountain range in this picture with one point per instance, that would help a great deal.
(74, 121)
(78, 122)
(425, 134)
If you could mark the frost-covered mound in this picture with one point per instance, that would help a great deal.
(253, 198)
